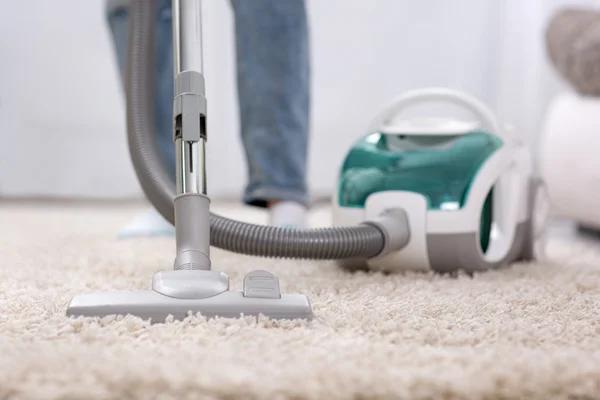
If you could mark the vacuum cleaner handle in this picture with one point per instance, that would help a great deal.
(414, 97)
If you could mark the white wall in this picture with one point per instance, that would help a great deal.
(61, 112)
(61, 109)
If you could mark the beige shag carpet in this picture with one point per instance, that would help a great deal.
(530, 332)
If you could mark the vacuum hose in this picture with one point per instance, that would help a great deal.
(364, 241)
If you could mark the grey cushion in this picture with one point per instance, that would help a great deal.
(573, 46)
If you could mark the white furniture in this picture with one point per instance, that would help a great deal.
(570, 157)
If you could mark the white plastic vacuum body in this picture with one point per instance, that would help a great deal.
(444, 234)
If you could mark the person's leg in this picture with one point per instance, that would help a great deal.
(151, 223)
(273, 79)
(118, 20)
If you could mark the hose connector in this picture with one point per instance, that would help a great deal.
(394, 226)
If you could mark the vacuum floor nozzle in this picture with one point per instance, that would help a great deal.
(179, 293)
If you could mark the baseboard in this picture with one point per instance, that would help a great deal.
(71, 201)
(127, 201)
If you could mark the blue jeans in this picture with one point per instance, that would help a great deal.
(273, 80)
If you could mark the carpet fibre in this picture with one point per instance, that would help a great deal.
(528, 332)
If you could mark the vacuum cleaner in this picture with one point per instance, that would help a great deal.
(435, 194)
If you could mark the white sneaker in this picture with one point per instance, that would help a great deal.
(288, 214)
(149, 224)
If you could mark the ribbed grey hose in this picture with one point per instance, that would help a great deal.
(363, 241)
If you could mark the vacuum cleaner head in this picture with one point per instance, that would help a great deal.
(180, 293)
